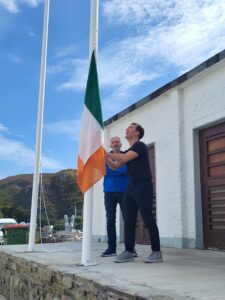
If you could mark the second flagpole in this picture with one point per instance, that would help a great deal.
(34, 201)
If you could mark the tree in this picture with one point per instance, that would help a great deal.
(5, 204)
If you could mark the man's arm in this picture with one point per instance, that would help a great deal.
(112, 164)
(116, 160)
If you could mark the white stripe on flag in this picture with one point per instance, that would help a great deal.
(91, 135)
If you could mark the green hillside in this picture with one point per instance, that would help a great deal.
(59, 190)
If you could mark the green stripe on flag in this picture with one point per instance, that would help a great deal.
(92, 97)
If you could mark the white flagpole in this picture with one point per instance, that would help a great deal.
(88, 196)
(34, 202)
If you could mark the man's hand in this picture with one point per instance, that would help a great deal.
(107, 159)
(111, 163)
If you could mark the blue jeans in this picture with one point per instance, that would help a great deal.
(138, 196)
(111, 201)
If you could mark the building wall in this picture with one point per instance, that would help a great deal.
(203, 106)
(171, 123)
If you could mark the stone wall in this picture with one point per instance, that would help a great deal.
(27, 280)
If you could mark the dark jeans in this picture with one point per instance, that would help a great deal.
(111, 201)
(138, 196)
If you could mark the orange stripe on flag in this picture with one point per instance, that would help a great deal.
(92, 171)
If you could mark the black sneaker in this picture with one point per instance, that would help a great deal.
(108, 252)
(135, 253)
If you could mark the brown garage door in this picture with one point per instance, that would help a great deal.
(142, 236)
(212, 158)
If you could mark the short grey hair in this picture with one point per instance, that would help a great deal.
(115, 137)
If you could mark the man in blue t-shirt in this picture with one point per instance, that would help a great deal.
(138, 195)
(115, 183)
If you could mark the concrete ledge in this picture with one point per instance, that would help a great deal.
(51, 273)
(22, 279)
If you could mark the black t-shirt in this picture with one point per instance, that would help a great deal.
(139, 168)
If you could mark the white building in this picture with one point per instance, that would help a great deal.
(184, 125)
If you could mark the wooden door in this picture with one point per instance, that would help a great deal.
(212, 160)
(142, 236)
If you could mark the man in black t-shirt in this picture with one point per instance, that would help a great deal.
(138, 195)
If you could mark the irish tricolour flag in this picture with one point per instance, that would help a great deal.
(91, 164)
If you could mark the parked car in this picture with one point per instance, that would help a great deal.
(3, 222)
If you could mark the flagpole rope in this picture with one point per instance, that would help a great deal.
(42, 199)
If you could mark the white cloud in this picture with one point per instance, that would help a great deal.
(65, 51)
(177, 34)
(31, 33)
(68, 128)
(137, 11)
(157, 12)
(10, 5)
(63, 65)
(33, 3)
(164, 37)
(14, 58)
(3, 128)
(182, 33)
(63, 55)
(79, 69)
(118, 72)
(18, 153)
(13, 6)
(115, 69)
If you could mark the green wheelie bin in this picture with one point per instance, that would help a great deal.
(15, 234)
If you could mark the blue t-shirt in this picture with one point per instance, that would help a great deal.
(115, 180)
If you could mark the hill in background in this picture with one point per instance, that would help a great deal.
(58, 190)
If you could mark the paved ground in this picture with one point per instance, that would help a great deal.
(184, 274)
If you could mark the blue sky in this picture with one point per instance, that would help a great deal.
(143, 44)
